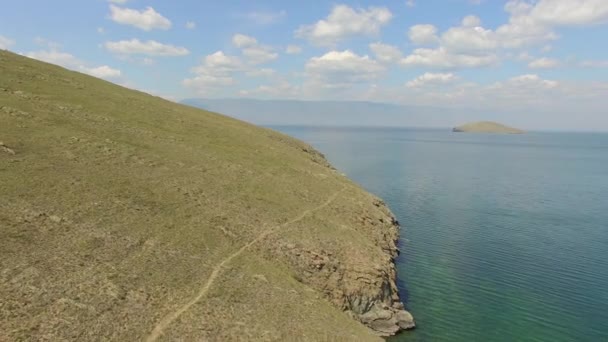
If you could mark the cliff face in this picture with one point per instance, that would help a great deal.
(358, 279)
(127, 217)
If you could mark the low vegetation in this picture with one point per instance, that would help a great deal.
(127, 217)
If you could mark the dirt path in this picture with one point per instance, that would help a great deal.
(168, 319)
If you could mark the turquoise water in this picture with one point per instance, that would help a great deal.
(505, 236)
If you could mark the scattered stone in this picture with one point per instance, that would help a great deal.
(55, 218)
(6, 149)
(260, 277)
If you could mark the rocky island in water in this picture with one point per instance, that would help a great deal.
(486, 127)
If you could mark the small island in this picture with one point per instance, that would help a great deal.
(486, 127)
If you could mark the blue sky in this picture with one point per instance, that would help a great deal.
(537, 56)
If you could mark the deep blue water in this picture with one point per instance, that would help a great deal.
(505, 237)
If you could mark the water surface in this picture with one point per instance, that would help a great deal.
(505, 236)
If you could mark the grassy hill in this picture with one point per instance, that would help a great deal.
(127, 217)
(487, 127)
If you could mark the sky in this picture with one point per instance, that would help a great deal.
(540, 60)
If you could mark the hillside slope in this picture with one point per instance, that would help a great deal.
(127, 217)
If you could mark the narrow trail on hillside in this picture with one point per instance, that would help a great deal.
(168, 319)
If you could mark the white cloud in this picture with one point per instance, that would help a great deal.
(146, 20)
(255, 52)
(471, 21)
(293, 49)
(522, 30)
(423, 34)
(118, 1)
(441, 58)
(56, 57)
(243, 41)
(265, 72)
(69, 61)
(471, 45)
(344, 22)
(150, 47)
(104, 71)
(266, 17)
(215, 71)
(410, 3)
(219, 63)
(469, 39)
(6, 43)
(204, 83)
(386, 53)
(543, 63)
(101, 30)
(260, 54)
(431, 79)
(342, 68)
(570, 12)
(190, 25)
(527, 82)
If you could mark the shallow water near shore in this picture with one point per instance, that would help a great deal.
(505, 237)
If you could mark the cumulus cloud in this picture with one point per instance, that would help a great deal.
(255, 52)
(219, 63)
(190, 25)
(526, 82)
(431, 79)
(5, 43)
(150, 47)
(146, 20)
(469, 39)
(471, 21)
(423, 34)
(472, 45)
(442, 58)
(344, 22)
(219, 70)
(342, 68)
(543, 63)
(118, 1)
(264, 72)
(386, 53)
(215, 71)
(570, 12)
(69, 61)
(260, 54)
(104, 71)
(243, 41)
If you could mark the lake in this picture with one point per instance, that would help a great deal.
(504, 237)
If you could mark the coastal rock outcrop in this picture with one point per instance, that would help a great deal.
(362, 285)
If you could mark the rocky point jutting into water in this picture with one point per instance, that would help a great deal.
(127, 217)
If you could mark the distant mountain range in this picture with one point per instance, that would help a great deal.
(335, 113)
